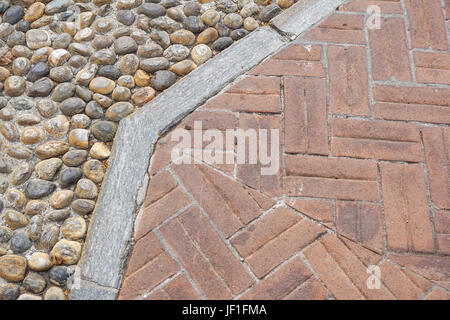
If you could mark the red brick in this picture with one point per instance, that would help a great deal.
(442, 221)
(375, 139)
(268, 227)
(162, 210)
(427, 25)
(438, 294)
(321, 210)
(194, 261)
(180, 288)
(344, 22)
(158, 295)
(366, 256)
(443, 243)
(408, 225)
(331, 273)
(311, 289)
(282, 247)
(145, 249)
(332, 188)
(305, 116)
(159, 186)
(433, 75)
(348, 82)
(353, 267)
(432, 60)
(386, 6)
(210, 120)
(264, 202)
(398, 282)
(299, 52)
(276, 67)
(160, 158)
(360, 222)
(148, 277)
(412, 112)
(389, 51)
(215, 250)
(415, 95)
(437, 154)
(209, 198)
(447, 9)
(281, 282)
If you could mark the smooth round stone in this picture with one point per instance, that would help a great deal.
(21, 66)
(28, 119)
(58, 57)
(15, 219)
(57, 6)
(152, 10)
(81, 49)
(121, 94)
(110, 72)
(94, 110)
(194, 24)
(54, 293)
(250, 9)
(201, 53)
(52, 149)
(192, 8)
(61, 74)
(125, 17)
(86, 189)
(58, 275)
(69, 27)
(46, 169)
(176, 52)
(285, 3)
(269, 12)
(143, 95)
(22, 26)
(128, 64)
(34, 12)
(61, 199)
(28, 296)
(85, 19)
(222, 29)
(233, 20)
(18, 151)
(37, 188)
(74, 228)
(16, 38)
(7, 113)
(118, 111)
(93, 170)
(238, 34)
(13, 15)
(20, 242)
(166, 24)
(121, 32)
(34, 207)
(151, 50)
(9, 291)
(41, 55)
(139, 36)
(103, 25)
(31, 135)
(21, 51)
(46, 108)
(83, 93)
(250, 24)
(102, 100)
(143, 23)
(175, 14)
(128, 4)
(79, 138)
(72, 106)
(83, 206)
(65, 251)
(74, 158)
(39, 70)
(154, 64)
(104, 130)
(9, 131)
(40, 261)
(227, 6)
(57, 126)
(77, 62)
(41, 88)
(85, 75)
(102, 42)
(58, 215)
(124, 45)
(63, 91)
(182, 68)
(170, 3)
(15, 198)
(49, 236)
(100, 151)
(102, 85)
(37, 39)
(3, 180)
(12, 267)
(80, 121)
(208, 35)
(161, 38)
(14, 86)
(4, 73)
(62, 41)
(222, 43)
(35, 228)
(183, 36)
(5, 234)
(103, 56)
(70, 176)
(34, 282)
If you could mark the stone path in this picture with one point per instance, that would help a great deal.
(363, 183)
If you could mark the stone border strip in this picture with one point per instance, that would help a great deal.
(99, 272)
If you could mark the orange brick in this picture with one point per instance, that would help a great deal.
(145, 249)
(435, 268)
(181, 289)
(398, 282)
(432, 67)
(412, 112)
(311, 289)
(284, 67)
(387, 7)
(442, 221)
(158, 295)
(321, 210)
(438, 294)
(415, 95)
(299, 52)
(159, 186)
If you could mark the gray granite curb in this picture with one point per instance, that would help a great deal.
(99, 272)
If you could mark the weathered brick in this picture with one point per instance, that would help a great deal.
(145, 249)
(366, 256)
(162, 210)
(281, 282)
(194, 261)
(311, 289)
(305, 118)
(180, 288)
(348, 82)
(408, 225)
(438, 294)
(210, 120)
(432, 67)
(299, 52)
(160, 158)
(431, 267)
(427, 25)
(414, 95)
(158, 295)
(442, 221)
(412, 112)
(268, 227)
(159, 186)
(274, 252)
(386, 6)
(398, 282)
(321, 210)
(443, 243)
(148, 276)
(215, 250)
(437, 153)
(389, 51)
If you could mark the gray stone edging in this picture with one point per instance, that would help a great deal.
(111, 227)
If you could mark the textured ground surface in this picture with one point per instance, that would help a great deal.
(364, 180)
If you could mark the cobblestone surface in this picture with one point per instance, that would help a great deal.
(364, 179)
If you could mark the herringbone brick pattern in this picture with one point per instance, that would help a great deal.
(364, 181)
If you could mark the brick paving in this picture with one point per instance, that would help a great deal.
(364, 179)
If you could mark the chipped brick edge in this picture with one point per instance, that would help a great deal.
(108, 241)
